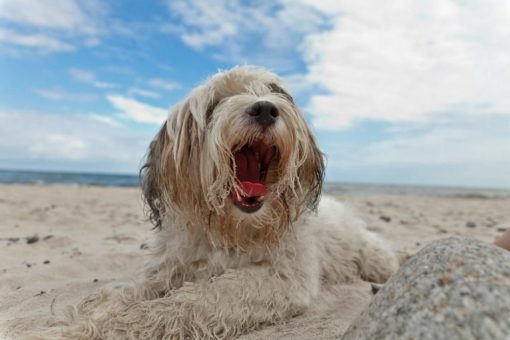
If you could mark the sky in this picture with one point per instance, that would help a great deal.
(404, 92)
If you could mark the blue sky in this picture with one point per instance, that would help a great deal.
(410, 92)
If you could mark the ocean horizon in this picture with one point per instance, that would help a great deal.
(33, 177)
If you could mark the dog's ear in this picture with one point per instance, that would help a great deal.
(311, 172)
(170, 177)
(152, 174)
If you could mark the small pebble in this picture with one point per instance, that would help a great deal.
(42, 292)
(144, 246)
(46, 262)
(470, 224)
(385, 218)
(501, 229)
(32, 239)
(95, 280)
(47, 237)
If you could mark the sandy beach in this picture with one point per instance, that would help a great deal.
(59, 243)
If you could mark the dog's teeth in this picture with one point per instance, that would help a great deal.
(260, 198)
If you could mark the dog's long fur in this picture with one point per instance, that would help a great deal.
(215, 271)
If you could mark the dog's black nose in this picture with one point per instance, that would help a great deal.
(264, 112)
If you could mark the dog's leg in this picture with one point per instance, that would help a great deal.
(377, 261)
(221, 307)
(349, 250)
(224, 306)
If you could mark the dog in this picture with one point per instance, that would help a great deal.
(233, 183)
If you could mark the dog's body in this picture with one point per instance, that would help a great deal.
(233, 182)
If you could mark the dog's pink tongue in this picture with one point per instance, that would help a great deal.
(248, 173)
(253, 189)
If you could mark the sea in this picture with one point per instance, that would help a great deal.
(333, 188)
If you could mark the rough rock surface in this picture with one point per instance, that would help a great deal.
(455, 288)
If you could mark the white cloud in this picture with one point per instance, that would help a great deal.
(408, 61)
(41, 42)
(58, 94)
(55, 14)
(51, 25)
(59, 145)
(89, 78)
(105, 120)
(439, 146)
(138, 111)
(265, 33)
(39, 139)
(455, 150)
(143, 93)
(163, 84)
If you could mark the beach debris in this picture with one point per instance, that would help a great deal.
(455, 288)
(46, 261)
(95, 280)
(501, 230)
(75, 252)
(144, 246)
(470, 224)
(32, 239)
(42, 292)
(10, 240)
(47, 237)
(385, 218)
(490, 222)
(119, 238)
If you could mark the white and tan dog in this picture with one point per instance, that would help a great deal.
(233, 182)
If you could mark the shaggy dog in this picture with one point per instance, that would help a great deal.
(233, 181)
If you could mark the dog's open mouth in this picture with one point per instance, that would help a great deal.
(252, 163)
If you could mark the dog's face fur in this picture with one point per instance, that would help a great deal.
(235, 158)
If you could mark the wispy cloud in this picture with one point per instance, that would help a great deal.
(163, 84)
(143, 93)
(41, 42)
(105, 120)
(60, 14)
(55, 27)
(456, 150)
(71, 141)
(408, 61)
(61, 145)
(58, 94)
(241, 32)
(90, 78)
(138, 111)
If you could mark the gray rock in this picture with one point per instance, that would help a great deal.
(452, 289)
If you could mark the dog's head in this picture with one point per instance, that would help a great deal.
(236, 157)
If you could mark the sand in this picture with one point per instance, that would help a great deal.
(60, 243)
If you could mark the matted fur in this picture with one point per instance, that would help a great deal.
(215, 271)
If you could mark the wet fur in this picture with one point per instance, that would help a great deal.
(215, 272)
